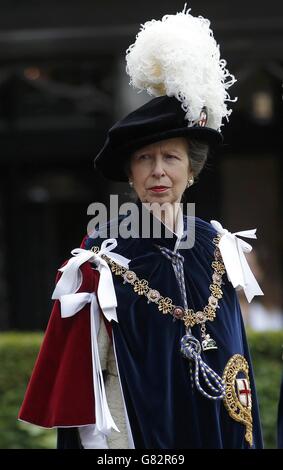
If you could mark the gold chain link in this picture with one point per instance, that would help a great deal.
(165, 304)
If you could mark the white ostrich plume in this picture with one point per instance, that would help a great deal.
(178, 56)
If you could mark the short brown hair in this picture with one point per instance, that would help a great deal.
(198, 152)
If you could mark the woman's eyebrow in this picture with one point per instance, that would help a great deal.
(143, 151)
(166, 150)
(172, 150)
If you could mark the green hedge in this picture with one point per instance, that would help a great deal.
(18, 352)
(266, 351)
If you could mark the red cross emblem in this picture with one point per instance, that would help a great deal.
(203, 117)
(244, 392)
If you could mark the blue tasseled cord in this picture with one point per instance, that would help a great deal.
(190, 346)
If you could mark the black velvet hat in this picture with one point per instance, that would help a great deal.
(160, 119)
(176, 60)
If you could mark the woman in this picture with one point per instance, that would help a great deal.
(156, 311)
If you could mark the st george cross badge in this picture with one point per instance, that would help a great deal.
(203, 117)
(238, 400)
(244, 392)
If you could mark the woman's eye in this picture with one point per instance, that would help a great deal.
(143, 157)
(169, 156)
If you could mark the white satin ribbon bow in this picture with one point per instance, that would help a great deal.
(71, 278)
(72, 302)
(232, 251)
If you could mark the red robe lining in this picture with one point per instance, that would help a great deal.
(60, 391)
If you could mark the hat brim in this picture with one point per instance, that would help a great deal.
(111, 161)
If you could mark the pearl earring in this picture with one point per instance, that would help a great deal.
(131, 183)
(190, 182)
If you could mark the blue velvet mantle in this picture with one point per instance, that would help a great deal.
(164, 410)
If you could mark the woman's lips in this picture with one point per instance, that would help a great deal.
(159, 189)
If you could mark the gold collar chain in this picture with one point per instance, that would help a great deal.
(165, 304)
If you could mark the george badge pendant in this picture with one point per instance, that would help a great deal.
(208, 343)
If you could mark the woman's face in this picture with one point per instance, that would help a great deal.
(160, 171)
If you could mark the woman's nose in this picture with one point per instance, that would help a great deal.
(158, 169)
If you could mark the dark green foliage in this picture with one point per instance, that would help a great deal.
(18, 352)
(266, 351)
